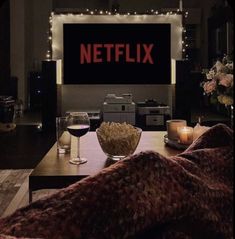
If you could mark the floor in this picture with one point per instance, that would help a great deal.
(14, 190)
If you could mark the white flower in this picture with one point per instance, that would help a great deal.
(210, 75)
(229, 66)
(218, 66)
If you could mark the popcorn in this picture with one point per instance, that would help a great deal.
(118, 139)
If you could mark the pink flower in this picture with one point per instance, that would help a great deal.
(209, 86)
(226, 80)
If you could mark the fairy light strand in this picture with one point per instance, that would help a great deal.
(116, 13)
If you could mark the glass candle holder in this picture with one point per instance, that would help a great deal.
(172, 126)
(185, 135)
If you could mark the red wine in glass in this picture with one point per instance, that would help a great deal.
(78, 130)
(78, 125)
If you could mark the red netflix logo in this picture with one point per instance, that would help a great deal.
(98, 53)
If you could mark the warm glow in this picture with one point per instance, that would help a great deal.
(173, 71)
(59, 72)
(185, 135)
(95, 17)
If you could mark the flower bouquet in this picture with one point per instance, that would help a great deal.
(219, 82)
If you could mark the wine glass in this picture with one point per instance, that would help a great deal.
(78, 125)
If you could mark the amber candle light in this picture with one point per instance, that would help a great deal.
(185, 135)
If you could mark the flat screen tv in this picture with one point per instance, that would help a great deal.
(111, 53)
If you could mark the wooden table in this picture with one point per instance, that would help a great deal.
(55, 171)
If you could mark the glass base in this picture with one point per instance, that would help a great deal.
(115, 158)
(63, 150)
(78, 161)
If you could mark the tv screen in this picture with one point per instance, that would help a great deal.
(117, 53)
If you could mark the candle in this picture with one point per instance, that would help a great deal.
(198, 130)
(185, 135)
(172, 126)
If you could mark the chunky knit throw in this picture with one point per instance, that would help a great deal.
(144, 196)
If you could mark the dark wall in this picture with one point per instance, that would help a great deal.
(4, 46)
(82, 4)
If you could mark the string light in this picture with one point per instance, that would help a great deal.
(116, 13)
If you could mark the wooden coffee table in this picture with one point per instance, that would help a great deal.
(55, 171)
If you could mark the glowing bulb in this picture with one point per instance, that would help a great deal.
(92, 12)
(101, 12)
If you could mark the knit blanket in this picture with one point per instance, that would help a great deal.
(144, 196)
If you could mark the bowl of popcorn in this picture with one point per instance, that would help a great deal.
(118, 140)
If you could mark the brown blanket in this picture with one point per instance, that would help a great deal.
(144, 196)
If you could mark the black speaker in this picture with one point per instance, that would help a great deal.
(35, 90)
(49, 95)
(183, 91)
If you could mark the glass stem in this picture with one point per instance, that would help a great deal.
(78, 148)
